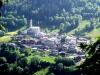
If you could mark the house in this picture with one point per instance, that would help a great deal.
(38, 46)
(28, 42)
(72, 49)
(54, 52)
(71, 39)
(17, 37)
(41, 34)
(22, 47)
(22, 32)
(51, 42)
(62, 53)
(83, 40)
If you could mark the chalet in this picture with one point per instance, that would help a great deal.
(71, 39)
(54, 52)
(38, 46)
(51, 42)
(71, 49)
(28, 42)
(62, 53)
(17, 37)
(83, 40)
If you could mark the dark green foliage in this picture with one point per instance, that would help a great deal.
(65, 61)
(51, 74)
(12, 23)
(0, 6)
(2, 28)
(62, 66)
(13, 61)
(3, 60)
(91, 66)
(35, 64)
(23, 62)
(64, 15)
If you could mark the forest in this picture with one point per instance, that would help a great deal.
(61, 15)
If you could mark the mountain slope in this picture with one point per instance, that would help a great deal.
(67, 16)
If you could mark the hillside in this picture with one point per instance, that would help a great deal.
(30, 50)
(78, 17)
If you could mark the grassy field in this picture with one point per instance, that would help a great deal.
(50, 59)
(94, 34)
(81, 26)
(11, 33)
(7, 37)
(42, 71)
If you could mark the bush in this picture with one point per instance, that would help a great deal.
(35, 64)
(19, 70)
(23, 62)
(3, 60)
(65, 61)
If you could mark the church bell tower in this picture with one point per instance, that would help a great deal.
(30, 24)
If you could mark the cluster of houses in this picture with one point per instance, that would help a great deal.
(57, 44)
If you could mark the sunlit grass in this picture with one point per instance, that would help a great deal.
(42, 71)
(5, 39)
(15, 32)
(81, 26)
(94, 34)
(7, 36)
(50, 59)
(12, 33)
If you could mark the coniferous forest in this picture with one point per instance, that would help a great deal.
(62, 49)
(64, 15)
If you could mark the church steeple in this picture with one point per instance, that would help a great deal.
(31, 23)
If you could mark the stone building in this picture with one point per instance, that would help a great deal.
(33, 30)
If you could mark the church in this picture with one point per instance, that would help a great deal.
(34, 30)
